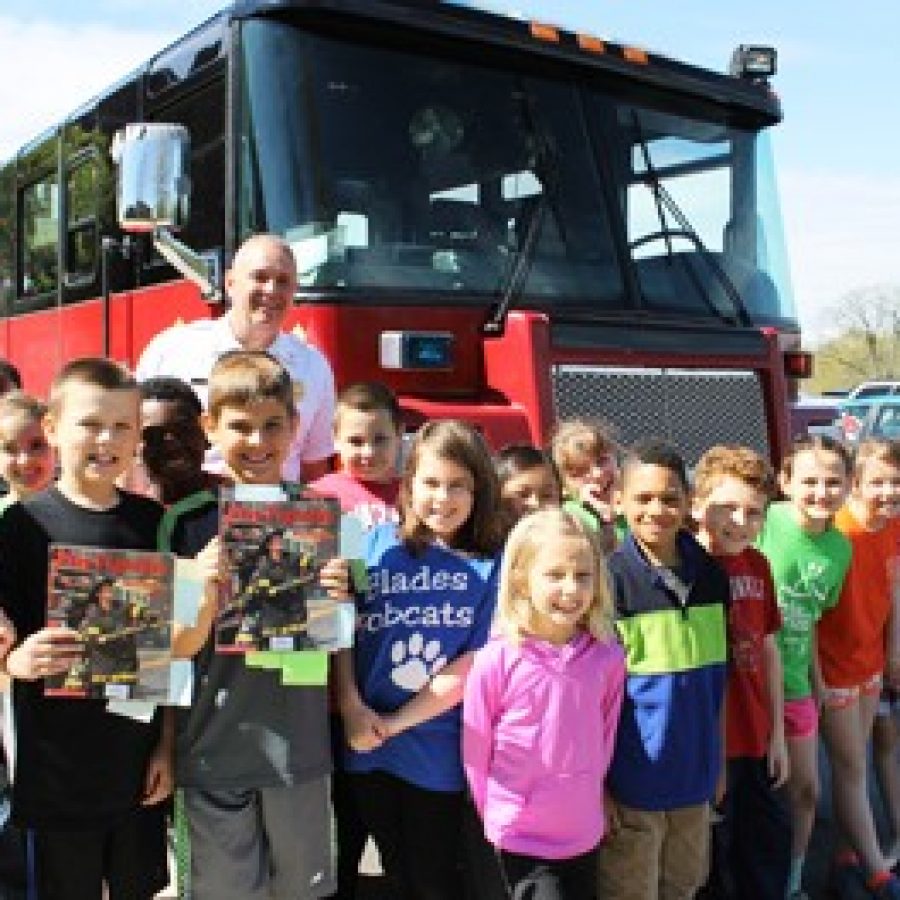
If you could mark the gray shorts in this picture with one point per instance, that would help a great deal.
(264, 844)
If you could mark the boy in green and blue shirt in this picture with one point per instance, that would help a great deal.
(671, 599)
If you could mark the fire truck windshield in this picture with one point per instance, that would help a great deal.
(393, 173)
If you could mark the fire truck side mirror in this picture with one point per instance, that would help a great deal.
(153, 192)
(153, 184)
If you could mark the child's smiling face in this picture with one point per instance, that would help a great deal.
(730, 516)
(173, 443)
(368, 444)
(876, 492)
(654, 502)
(529, 490)
(254, 439)
(594, 474)
(561, 587)
(95, 433)
(817, 487)
(442, 495)
(26, 460)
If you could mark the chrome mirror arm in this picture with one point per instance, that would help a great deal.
(199, 268)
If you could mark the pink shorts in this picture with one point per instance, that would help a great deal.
(801, 718)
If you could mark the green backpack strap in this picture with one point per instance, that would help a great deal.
(180, 829)
(171, 516)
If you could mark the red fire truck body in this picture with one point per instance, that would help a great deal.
(503, 221)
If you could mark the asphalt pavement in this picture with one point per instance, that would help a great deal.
(816, 882)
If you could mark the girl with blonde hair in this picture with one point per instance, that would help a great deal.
(540, 711)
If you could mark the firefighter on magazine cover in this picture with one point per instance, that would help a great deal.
(274, 599)
(112, 619)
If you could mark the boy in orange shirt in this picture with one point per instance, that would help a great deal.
(858, 648)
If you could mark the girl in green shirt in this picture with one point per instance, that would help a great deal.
(809, 558)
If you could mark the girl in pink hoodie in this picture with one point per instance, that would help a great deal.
(540, 712)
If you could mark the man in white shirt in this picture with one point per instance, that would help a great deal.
(260, 285)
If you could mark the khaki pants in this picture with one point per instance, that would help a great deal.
(654, 855)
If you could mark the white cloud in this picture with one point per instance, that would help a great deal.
(842, 232)
(48, 70)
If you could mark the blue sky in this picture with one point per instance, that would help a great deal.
(837, 149)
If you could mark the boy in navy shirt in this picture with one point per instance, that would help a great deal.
(671, 601)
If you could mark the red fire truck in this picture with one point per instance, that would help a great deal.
(502, 220)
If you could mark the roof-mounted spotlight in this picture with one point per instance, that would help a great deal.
(753, 63)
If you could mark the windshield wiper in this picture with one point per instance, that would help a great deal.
(520, 266)
(546, 167)
(664, 201)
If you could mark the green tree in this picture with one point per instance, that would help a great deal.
(867, 342)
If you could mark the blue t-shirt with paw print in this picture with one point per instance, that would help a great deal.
(420, 613)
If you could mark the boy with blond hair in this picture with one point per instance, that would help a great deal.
(732, 488)
(253, 756)
(87, 783)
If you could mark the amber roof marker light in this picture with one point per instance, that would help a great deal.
(590, 43)
(636, 55)
(544, 32)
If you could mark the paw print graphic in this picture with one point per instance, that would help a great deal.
(415, 661)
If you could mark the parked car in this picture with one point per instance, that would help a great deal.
(870, 389)
(851, 415)
(882, 420)
(814, 415)
(871, 417)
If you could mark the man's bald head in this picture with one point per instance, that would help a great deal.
(260, 284)
(262, 246)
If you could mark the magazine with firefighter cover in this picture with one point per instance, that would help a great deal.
(120, 603)
(272, 552)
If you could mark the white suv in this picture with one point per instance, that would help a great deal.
(874, 389)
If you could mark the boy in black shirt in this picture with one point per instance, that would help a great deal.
(88, 783)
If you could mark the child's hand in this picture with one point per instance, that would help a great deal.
(7, 634)
(721, 787)
(597, 500)
(158, 779)
(777, 759)
(364, 728)
(335, 578)
(208, 562)
(50, 651)
(613, 818)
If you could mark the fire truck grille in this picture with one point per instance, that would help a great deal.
(688, 408)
